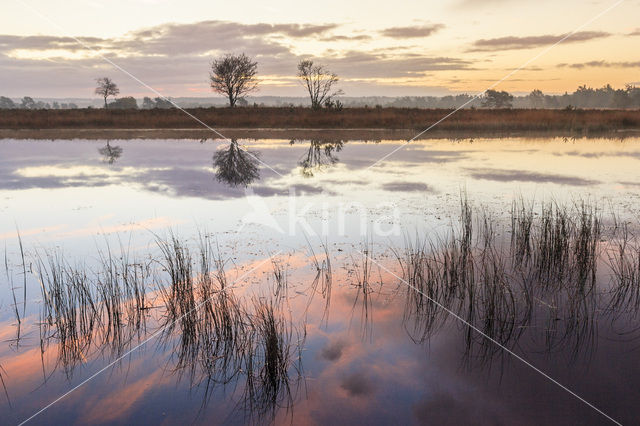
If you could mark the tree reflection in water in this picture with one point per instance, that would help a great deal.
(235, 165)
(110, 153)
(320, 154)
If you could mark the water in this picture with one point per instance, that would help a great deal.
(366, 357)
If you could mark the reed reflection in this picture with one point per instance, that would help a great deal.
(541, 283)
(538, 290)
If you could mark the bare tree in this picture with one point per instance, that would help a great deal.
(319, 82)
(234, 76)
(106, 87)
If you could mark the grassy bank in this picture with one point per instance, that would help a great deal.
(514, 120)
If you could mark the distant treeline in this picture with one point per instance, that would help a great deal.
(29, 103)
(583, 97)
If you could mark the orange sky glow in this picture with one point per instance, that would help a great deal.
(399, 49)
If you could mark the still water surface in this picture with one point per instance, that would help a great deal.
(360, 347)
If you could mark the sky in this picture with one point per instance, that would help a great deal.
(57, 48)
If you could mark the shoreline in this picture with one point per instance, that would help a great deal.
(296, 123)
(299, 133)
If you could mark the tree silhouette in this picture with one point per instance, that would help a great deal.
(106, 87)
(28, 103)
(7, 103)
(319, 83)
(128, 102)
(234, 76)
(495, 99)
(537, 99)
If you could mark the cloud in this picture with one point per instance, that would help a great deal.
(333, 351)
(406, 187)
(600, 63)
(501, 175)
(204, 29)
(202, 37)
(411, 32)
(177, 39)
(11, 181)
(357, 64)
(359, 37)
(40, 42)
(357, 384)
(170, 57)
(529, 42)
(300, 30)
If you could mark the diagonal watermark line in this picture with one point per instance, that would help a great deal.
(492, 340)
(542, 53)
(109, 61)
(130, 351)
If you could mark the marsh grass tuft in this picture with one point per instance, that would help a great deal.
(624, 261)
(362, 269)
(3, 373)
(322, 281)
(69, 305)
(280, 280)
(548, 266)
(9, 275)
(218, 339)
(273, 355)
